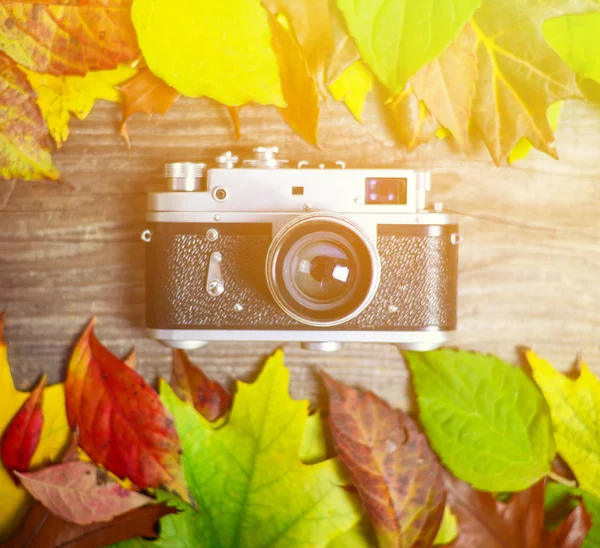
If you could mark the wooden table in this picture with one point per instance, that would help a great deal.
(529, 264)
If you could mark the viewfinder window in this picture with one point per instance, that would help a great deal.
(386, 190)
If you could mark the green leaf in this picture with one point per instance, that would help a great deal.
(397, 37)
(246, 477)
(448, 530)
(314, 441)
(575, 39)
(485, 419)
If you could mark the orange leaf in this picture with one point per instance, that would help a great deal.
(397, 476)
(122, 423)
(234, 112)
(298, 86)
(62, 38)
(22, 435)
(191, 384)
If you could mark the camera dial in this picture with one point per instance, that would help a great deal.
(322, 269)
(266, 158)
(185, 176)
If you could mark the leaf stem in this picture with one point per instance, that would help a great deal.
(563, 481)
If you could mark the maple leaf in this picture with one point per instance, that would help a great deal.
(63, 38)
(58, 96)
(396, 474)
(519, 75)
(344, 52)
(122, 423)
(299, 88)
(41, 528)
(24, 146)
(518, 523)
(80, 493)
(352, 86)
(575, 409)
(397, 38)
(191, 384)
(447, 85)
(233, 63)
(53, 440)
(244, 473)
(22, 435)
(145, 93)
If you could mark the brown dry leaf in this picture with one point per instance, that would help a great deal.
(298, 86)
(396, 474)
(411, 122)
(62, 38)
(42, 529)
(191, 384)
(447, 85)
(519, 523)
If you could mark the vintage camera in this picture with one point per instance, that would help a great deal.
(316, 255)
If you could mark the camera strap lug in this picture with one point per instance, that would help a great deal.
(214, 281)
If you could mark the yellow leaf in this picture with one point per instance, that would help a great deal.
(352, 86)
(213, 48)
(575, 410)
(54, 438)
(58, 96)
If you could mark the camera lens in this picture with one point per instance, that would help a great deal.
(322, 270)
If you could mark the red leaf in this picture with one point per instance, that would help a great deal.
(398, 478)
(191, 384)
(22, 435)
(42, 529)
(519, 523)
(122, 423)
(62, 38)
(80, 493)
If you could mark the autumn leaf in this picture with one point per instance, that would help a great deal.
(192, 385)
(63, 38)
(519, 75)
(575, 39)
(459, 395)
(446, 85)
(24, 146)
(411, 122)
(80, 493)
(352, 86)
(519, 523)
(396, 474)
(575, 409)
(234, 114)
(244, 474)
(145, 93)
(122, 423)
(232, 62)
(53, 441)
(42, 529)
(59, 96)
(524, 147)
(344, 52)
(396, 39)
(22, 436)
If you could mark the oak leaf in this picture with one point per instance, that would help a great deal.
(396, 39)
(518, 523)
(59, 96)
(53, 440)
(122, 423)
(59, 37)
(446, 85)
(231, 61)
(298, 85)
(396, 474)
(191, 384)
(245, 473)
(42, 529)
(352, 86)
(22, 436)
(575, 409)
(24, 145)
(80, 493)
(145, 93)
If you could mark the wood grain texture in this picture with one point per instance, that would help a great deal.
(528, 266)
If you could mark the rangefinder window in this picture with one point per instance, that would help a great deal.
(388, 190)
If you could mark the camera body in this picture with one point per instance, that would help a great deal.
(316, 255)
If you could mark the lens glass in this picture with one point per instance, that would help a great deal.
(323, 271)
